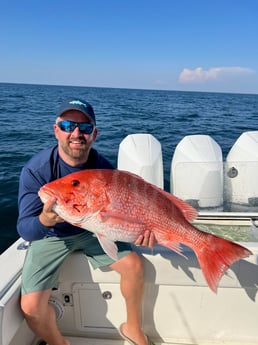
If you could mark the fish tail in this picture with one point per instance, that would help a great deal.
(216, 257)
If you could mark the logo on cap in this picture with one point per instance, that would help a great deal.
(77, 102)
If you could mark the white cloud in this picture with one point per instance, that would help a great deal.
(199, 75)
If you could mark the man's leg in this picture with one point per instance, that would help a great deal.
(130, 268)
(41, 317)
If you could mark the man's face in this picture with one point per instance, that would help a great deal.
(74, 146)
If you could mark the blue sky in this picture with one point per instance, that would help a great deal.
(195, 45)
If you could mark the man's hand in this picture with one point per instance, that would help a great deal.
(147, 239)
(48, 217)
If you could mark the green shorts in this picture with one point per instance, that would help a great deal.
(44, 258)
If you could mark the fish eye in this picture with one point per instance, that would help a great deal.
(75, 183)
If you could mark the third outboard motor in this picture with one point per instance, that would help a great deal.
(241, 174)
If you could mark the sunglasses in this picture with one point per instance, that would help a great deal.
(69, 126)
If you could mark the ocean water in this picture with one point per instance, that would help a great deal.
(27, 113)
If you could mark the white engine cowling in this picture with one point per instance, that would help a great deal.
(241, 173)
(141, 154)
(197, 172)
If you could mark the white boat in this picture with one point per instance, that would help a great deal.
(178, 307)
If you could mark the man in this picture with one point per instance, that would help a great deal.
(75, 130)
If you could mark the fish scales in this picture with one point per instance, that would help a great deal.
(139, 199)
(132, 196)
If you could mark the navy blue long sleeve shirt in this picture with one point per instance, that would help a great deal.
(42, 168)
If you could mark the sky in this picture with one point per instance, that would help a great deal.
(188, 45)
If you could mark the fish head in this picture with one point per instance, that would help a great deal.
(78, 196)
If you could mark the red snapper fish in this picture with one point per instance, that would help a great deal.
(120, 206)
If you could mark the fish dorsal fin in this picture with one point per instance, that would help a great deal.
(189, 212)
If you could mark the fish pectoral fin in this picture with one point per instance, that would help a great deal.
(109, 246)
(116, 217)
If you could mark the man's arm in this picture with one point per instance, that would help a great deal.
(30, 207)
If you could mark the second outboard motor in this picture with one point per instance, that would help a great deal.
(197, 172)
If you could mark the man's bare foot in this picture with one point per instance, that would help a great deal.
(138, 338)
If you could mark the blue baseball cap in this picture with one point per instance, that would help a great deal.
(77, 104)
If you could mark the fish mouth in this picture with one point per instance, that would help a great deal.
(44, 194)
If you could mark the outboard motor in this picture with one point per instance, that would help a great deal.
(196, 174)
(141, 154)
(241, 174)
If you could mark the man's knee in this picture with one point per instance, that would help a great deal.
(136, 263)
(33, 303)
(131, 263)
